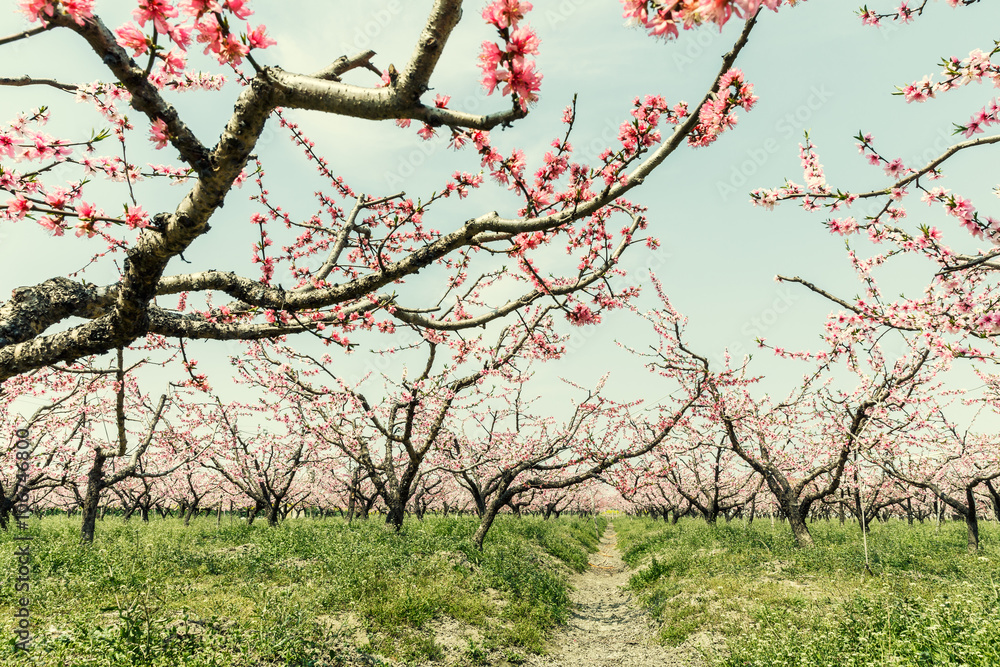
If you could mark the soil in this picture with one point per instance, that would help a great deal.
(608, 626)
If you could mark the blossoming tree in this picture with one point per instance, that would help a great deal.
(801, 444)
(955, 312)
(345, 258)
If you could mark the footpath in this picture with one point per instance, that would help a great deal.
(608, 628)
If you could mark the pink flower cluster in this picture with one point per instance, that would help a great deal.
(894, 168)
(204, 21)
(902, 14)
(52, 205)
(38, 10)
(844, 226)
(581, 315)
(158, 133)
(460, 184)
(717, 115)
(988, 115)
(957, 72)
(661, 17)
(643, 131)
(509, 67)
(812, 169)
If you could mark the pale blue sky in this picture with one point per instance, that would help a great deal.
(814, 67)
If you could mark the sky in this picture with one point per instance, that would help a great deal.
(815, 68)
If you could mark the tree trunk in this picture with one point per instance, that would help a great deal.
(252, 514)
(995, 496)
(485, 523)
(972, 520)
(366, 507)
(797, 521)
(92, 499)
(397, 512)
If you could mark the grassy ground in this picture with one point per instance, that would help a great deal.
(309, 592)
(925, 602)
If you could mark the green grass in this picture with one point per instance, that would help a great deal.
(926, 601)
(309, 592)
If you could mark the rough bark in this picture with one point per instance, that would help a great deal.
(92, 498)
(119, 313)
(971, 520)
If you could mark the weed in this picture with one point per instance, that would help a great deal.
(308, 592)
(926, 602)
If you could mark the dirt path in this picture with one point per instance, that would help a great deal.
(607, 627)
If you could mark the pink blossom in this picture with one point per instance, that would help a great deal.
(843, 227)
(505, 13)
(196, 8)
(231, 50)
(181, 36)
(239, 7)
(135, 217)
(489, 58)
(37, 10)
(869, 17)
(86, 211)
(7, 145)
(17, 207)
(173, 61)
(158, 133)
(257, 39)
(157, 11)
(523, 81)
(79, 9)
(895, 168)
(130, 37)
(582, 315)
(523, 41)
(57, 198)
(56, 225)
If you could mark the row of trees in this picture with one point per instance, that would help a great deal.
(467, 432)
(464, 421)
